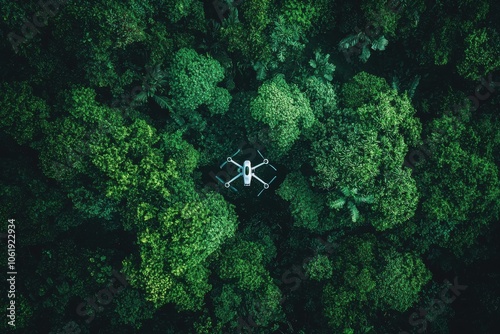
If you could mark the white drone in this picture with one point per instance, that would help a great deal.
(247, 171)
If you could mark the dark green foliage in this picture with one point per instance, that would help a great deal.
(21, 112)
(193, 79)
(116, 115)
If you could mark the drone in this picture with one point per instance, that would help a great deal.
(247, 171)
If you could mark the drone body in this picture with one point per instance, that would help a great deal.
(247, 172)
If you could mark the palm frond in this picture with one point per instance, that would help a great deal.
(346, 191)
(337, 204)
(162, 101)
(380, 43)
(364, 199)
(354, 211)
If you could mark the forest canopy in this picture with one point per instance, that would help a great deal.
(376, 124)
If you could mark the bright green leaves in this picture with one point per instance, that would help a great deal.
(301, 13)
(173, 257)
(319, 268)
(285, 109)
(305, 205)
(396, 198)
(364, 148)
(220, 101)
(352, 161)
(241, 267)
(481, 54)
(193, 82)
(21, 112)
(401, 280)
(362, 89)
(242, 262)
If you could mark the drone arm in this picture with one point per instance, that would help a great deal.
(261, 164)
(258, 178)
(234, 178)
(235, 163)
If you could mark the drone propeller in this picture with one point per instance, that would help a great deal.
(272, 168)
(224, 183)
(225, 162)
(260, 154)
(266, 185)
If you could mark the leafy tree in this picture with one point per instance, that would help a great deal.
(305, 205)
(193, 82)
(459, 187)
(246, 36)
(242, 262)
(401, 281)
(287, 40)
(285, 109)
(22, 112)
(174, 271)
(319, 268)
(480, 54)
(132, 308)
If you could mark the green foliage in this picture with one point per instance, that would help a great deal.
(462, 188)
(193, 82)
(302, 13)
(354, 283)
(242, 264)
(396, 201)
(319, 268)
(362, 89)
(362, 40)
(172, 267)
(305, 205)
(322, 96)
(99, 269)
(322, 68)
(132, 308)
(381, 15)
(176, 10)
(247, 37)
(401, 281)
(350, 160)
(481, 54)
(285, 109)
(287, 40)
(21, 112)
(352, 199)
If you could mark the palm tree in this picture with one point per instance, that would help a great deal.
(352, 198)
